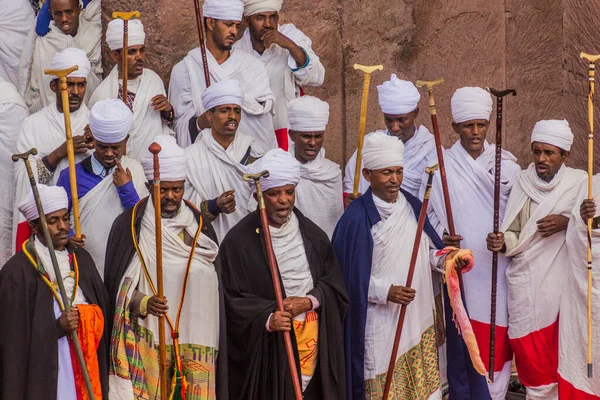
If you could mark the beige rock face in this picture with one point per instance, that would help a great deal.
(532, 46)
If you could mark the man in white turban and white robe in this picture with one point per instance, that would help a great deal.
(399, 102)
(108, 181)
(146, 95)
(287, 54)
(45, 130)
(533, 237)
(195, 339)
(319, 192)
(470, 165)
(218, 159)
(187, 82)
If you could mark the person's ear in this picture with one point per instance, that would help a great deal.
(54, 85)
(367, 174)
(456, 127)
(416, 112)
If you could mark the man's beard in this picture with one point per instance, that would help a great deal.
(225, 47)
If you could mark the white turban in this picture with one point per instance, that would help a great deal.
(171, 159)
(382, 151)
(223, 92)
(397, 96)
(69, 57)
(110, 121)
(114, 33)
(53, 198)
(283, 169)
(252, 7)
(228, 10)
(469, 103)
(308, 114)
(555, 132)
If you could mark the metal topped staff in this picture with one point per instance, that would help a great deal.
(125, 16)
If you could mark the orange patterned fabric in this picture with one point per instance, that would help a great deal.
(307, 336)
(91, 328)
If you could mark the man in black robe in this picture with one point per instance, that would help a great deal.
(36, 360)
(315, 298)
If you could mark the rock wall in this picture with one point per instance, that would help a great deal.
(532, 46)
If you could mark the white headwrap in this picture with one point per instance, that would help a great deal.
(110, 121)
(53, 198)
(283, 169)
(228, 10)
(228, 91)
(114, 33)
(252, 7)
(397, 96)
(382, 151)
(308, 114)
(171, 159)
(69, 57)
(469, 103)
(555, 132)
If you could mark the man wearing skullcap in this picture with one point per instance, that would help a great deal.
(219, 157)
(470, 164)
(315, 298)
(287, 54)
(108, 182)
(37, 358)
(62, 24)
(222, 22)
(146, 95)
(192, 302)
(319, 192)
(371, 242)
(532, 238)
(45, 130)
(399, 102)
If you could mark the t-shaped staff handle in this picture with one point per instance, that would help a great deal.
(24, 156)
(256, 179)
(368, 69)
(429, 85)
(61, 73)
(501, 93)
(592, 58)
(432, 169)
(125, 15)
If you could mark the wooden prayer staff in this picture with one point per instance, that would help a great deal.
(125, 16)
(591, 59)
(64, 93)
(57, 273)
(368, 70)
(499, 94)
(162, 351)
(440, 155)
(411, 271)
(275, 276)
(200, 24)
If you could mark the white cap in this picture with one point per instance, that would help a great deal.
(114, 33)
(382, 151)
(283, 169)
(70, 57)
(555, 132)
(252, 7)
(110, 121)
(471, 103)
(223, 92)
(398, 97)
(53, 198)
(308, 114)
(171, 160)
(228, 10)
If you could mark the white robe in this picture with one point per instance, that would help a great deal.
(147, 123)
(16, 20)
(319, 193)
(12, 112)
(285, 78)
(187, 85)
(418, 152)
(213, 170)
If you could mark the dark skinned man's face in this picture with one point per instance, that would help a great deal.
(58, 226)
(472, 135)
(548, 159)
(307, 144)
(224, 32)
(385, 183)
(262, 22)
(136, 59)
(401, 126)
(171, 196)
(279, 204)
(76, 87)
(109, 153)
(225, 119)
(65, 14)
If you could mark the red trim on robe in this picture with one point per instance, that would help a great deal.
(503, 352)
(23, 233)
(566, 391)
(282, 138)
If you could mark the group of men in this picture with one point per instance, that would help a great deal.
(343, 260)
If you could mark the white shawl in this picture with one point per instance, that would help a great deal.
(16, 19)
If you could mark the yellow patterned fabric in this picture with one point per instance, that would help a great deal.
(416, 374)
(307, 336)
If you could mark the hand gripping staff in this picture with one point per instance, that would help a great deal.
(411, 271)
(59, 281)
(125, 16)
(275, 276)
(368, 70)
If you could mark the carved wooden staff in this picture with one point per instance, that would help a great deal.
(200, 25)
(592, 66)
(499, 94)
(368, 70)
(440, 155)
(64, 94)
(162, 352)
(275, 276)
(411, 271)
(125, 16)
(61, 287)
